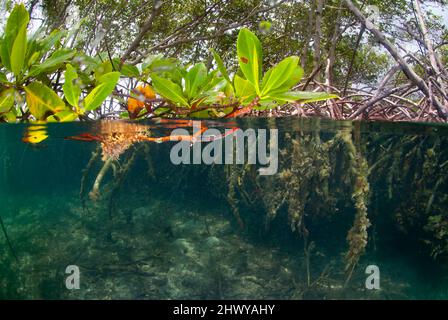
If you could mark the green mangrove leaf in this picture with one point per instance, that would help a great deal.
(18, 18)
(203, 114)
(89, 63)
(213, 83)
(54, 62)
(267, 105)
(194, 79)
(213, 96)
(6, 100)
(177, 75)
(72, 92)
(250, 57)
(124, 115)
(161, 111)
(51, 40)
(42, 100)
(3, 78)
(221, 66)
(63, 116)
(301, 96)
(159, 65)
(18, 51)
(295, 78)
(244, 89)
(34, 50)
(169, 90)
(279, 77)
(127, 70)
(10, 117)
(33, 58)
(105, 87)
(4, 55)
(102, 69)
(229, 90)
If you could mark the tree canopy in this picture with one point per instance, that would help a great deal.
(384, 59)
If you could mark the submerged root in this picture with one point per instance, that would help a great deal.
(117, 137)
(357, 236)
(234, 179)
(85, 173)
(94, 195)
(149, 162)
(11, 248)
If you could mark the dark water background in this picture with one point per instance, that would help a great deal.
(172, 233)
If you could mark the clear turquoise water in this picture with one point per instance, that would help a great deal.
(161, 231)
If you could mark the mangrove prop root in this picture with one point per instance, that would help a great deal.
(85, 173)
(95, 193)
(307, 247)
(148, 158)
(233, 180)
(339, 166)
(357, 236)
(11, 248)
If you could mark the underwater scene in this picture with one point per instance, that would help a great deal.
(322, 210)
